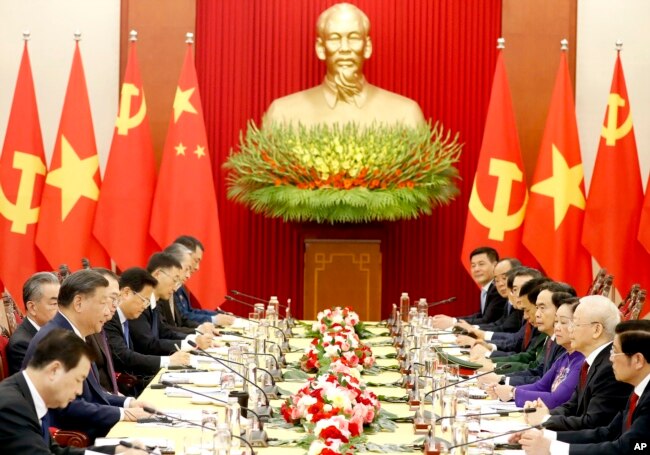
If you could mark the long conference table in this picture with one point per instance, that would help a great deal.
(404, 433)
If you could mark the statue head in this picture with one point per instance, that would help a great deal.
(344, 44)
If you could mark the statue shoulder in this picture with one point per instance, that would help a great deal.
(284, 108)
(405, 109)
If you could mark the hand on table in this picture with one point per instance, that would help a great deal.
(478, 352)
(442, 322)
(534, 443)
(537, 417)
(179, 358)
(489, 379)
(464, 340)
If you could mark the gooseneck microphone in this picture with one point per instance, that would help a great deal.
(130, 445)
(533, 427)
(505, 366)
(189, 422)
(258, 299)
(441, 302)
(500, 413)
(267, 408)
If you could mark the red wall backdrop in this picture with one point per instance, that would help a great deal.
(441, 53)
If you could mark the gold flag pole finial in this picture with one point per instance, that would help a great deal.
(133, 35)
(27, 35)
(564, 45)
(619, 45)
(189, 38)
(77, 35)
(501, 43)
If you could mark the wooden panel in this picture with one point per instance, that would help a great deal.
(533, 30)
(161, 27)
(343, 273)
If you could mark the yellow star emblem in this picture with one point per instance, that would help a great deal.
(200, 151)
(180, 149)
(75, 178)
(182, 102)
(563, 186)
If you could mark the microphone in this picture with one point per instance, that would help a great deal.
(264, 410)
(258, 437)
(232, 299)
(189, 422)
(281, 361)
(130, 445)
(505, 366)
(533, 427)
(272, 393)
(258, 299)
(500, 413)
(441, 302)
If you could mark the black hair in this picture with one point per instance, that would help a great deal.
(136, 278)
(635, 337)
(162, 261)
(491, 253)
(49, 350)
(82, 282)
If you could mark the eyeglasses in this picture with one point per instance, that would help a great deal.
(573, 324)
(614, 354)
(175, 279)
(145, 300)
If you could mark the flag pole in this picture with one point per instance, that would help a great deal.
(189, 38)
(501, 43)
(564, 45)
(27, 35)
(133, 36)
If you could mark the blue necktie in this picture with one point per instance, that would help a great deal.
(45, 428)
(125, 329)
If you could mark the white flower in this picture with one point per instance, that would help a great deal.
(316, 447)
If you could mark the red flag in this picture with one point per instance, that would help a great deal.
(554, 217)
(185, 200)
(616, 195)
(72, 185)
(499, 195)
(124, 207)
(22, 175)
(644, 226)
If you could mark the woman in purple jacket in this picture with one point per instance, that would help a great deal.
(560, 381)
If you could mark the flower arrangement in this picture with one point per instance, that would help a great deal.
(344, 173)
(340, 344)
(334, 318)
(333, 407)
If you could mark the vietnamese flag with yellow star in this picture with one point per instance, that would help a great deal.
(124, 207)
(22, 176)
(556, 204)
(615, 196)
(185, 202)
(71, 190)
(499, 196)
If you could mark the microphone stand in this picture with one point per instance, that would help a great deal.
(282, 362)
(265, 411)
(504, 366)
(189, 422)
(258, 436)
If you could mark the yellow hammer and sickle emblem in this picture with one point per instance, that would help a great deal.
(124, 122)
(498, 221)
(21, 214)
(612, 132)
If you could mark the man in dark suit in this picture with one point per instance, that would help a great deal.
(136, 287)
(182, 297)
(83, 308)
(169, 308)
(492, 305)
(510, 321)
(52, 379)
(98, 342)
(40, 293)
(599, 396)
(149, 331)
(630, 357)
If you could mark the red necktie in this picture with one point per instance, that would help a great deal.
(583, 374)
(633, 400)
(527, 333)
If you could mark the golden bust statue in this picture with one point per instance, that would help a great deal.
(343, 42)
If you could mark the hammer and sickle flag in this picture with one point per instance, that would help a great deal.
(497, 204)
(555, 213)
(22, 175)
(124, 206)
(71, 190)
(613, 211)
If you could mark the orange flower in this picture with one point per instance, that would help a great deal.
(347, 183)
(278, 182)
(410, 184)
(398, 172)
(374, 183)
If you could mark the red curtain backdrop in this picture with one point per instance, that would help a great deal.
(441, 53)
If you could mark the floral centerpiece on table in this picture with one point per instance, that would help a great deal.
(333, 318)
(333, 407)
(344, 173)
(340, 344)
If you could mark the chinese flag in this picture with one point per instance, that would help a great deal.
(644, 227)
(72, 185)
(124, 207)
(185, 200)
(616, 195)
(554, 217)
(22, 175)
(498, 201)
